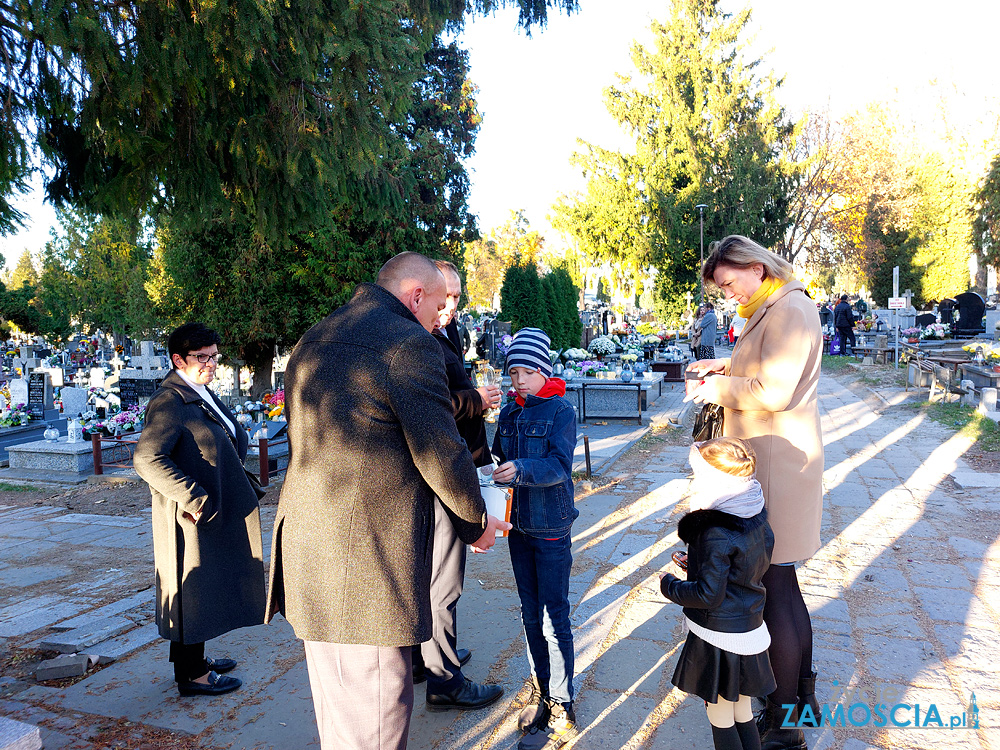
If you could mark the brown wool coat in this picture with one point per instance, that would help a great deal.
(372, 439)
(770, 399)
(209, 576)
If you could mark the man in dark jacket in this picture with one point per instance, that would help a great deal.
(439, 660)
(843, 321)
(372, 440)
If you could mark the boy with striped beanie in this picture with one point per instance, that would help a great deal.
(534, 444)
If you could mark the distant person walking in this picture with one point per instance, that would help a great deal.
(843, 321)
(708, 327)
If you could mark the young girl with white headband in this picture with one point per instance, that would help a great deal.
(724, 659)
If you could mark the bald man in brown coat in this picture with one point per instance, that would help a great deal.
(372, 440)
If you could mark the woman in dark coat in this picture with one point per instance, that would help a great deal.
(206, 517)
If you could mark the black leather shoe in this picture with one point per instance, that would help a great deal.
(217, 685)
(420, 673)
(221, 666)
(466, 697)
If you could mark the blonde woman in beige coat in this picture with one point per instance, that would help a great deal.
(768, 393)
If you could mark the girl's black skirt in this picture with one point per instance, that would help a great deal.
(708, 672)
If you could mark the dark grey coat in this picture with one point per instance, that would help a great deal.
(372, 439)
(209, 576)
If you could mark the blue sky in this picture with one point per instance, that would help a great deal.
(540, 95)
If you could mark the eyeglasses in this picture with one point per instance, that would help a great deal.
(203, 358)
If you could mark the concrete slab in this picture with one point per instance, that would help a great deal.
(967, 478)
(108, 610)
(67, 665)
(78, 639)
(16, 735)
(113, 649)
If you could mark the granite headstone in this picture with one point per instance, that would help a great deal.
(18, 392)
(74, 401)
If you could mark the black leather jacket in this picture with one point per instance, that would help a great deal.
(727, 557)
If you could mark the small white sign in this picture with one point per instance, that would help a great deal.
(897, 303)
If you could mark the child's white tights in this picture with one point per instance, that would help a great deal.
(726, 713)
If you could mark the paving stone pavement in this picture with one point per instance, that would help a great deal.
(904, 598)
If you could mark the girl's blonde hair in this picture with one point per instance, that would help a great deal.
(738, 251)
(731, 455)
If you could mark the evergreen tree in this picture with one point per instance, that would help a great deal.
(268, 109)
(24, 272)
(986, 215)
(95, 273)
(707, 131)
(556, 319)
(522, 298)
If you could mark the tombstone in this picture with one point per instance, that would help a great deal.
(971, 309)
(74, 400)
(97, 377)
(138, 382)
(947, 309)
(148, 359)
(18, 392)
(40, 401)
(136, 391)
(925, 319)
(57, 375)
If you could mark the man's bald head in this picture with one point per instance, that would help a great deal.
(415, 281)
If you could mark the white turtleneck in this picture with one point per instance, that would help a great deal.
(207, 398)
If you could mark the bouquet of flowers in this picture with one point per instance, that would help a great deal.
(602, 345)
(629, 357)
(127, 420)
(576, 354)
(503, 343)
(590, 368)
(935, 332)
(991, 355)
(652, 340)
(14, 416)
(646, 329)
(275, 403)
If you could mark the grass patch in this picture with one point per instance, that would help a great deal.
(5, 487)
(967, 421)
(836, 365)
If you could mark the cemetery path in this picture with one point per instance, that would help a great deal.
(905, 596)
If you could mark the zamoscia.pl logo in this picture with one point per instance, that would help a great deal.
(883, 709)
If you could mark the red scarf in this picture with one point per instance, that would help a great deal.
(552, 387)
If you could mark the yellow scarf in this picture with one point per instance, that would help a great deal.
(768, 287)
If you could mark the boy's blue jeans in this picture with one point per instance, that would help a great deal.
(541, 570)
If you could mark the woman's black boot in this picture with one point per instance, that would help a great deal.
(778, 737)
(807, 697)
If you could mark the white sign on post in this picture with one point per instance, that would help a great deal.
(897, 303)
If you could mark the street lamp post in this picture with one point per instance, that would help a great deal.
(701, 217)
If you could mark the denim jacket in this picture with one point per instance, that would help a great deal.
(539, 438)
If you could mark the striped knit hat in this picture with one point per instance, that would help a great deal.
(530, 348)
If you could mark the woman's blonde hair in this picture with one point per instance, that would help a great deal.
(742, 252)
(731, 455)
